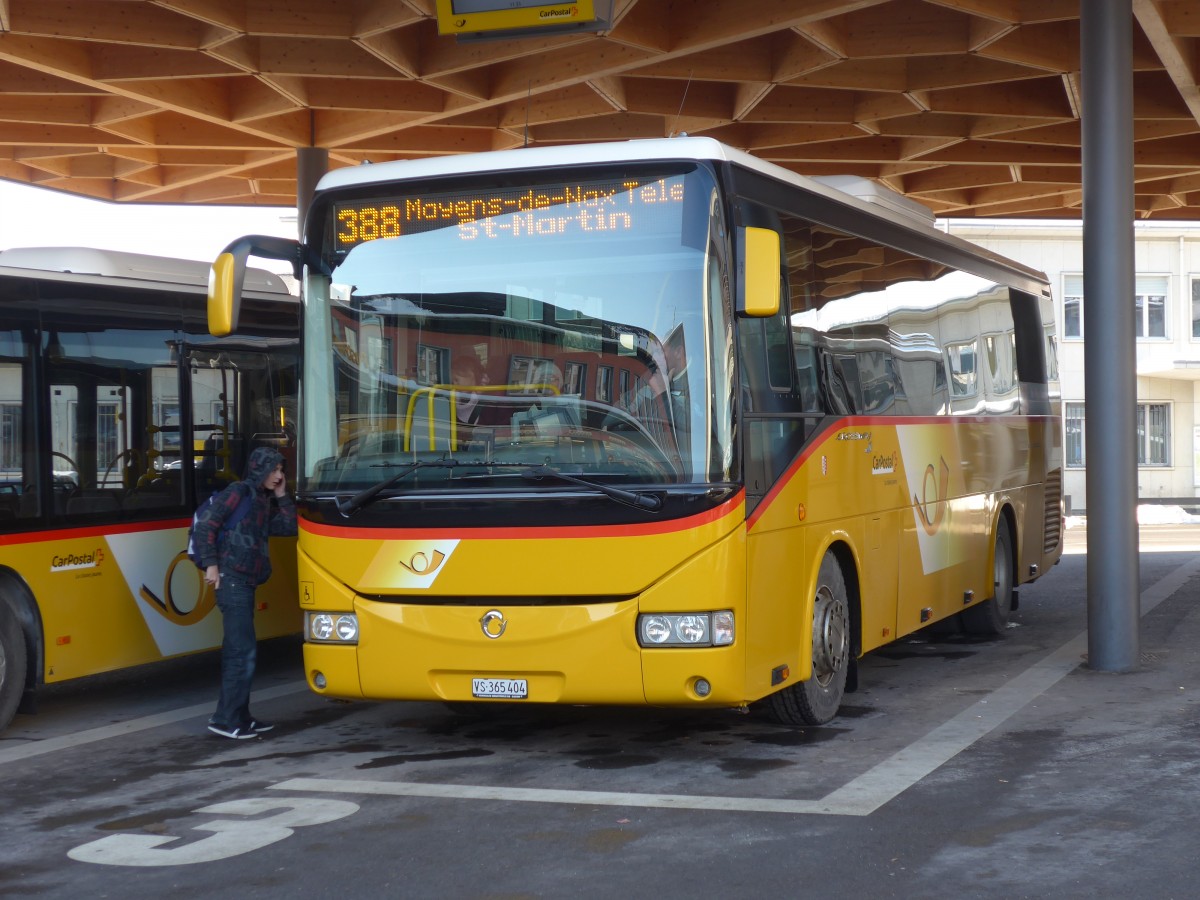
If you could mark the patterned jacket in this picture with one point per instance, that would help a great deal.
(242, 551)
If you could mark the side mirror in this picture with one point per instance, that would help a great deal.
(759, 286)
(227, 277)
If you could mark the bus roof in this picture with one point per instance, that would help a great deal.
(111, 264)
(585, 154)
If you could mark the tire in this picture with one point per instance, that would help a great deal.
(816, 701)
(990, 618)
(12, 664)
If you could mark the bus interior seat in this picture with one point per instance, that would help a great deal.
(424, 435)
(212, 464)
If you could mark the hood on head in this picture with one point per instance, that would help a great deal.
(262, 463)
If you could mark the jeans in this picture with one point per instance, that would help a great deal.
(239, 648)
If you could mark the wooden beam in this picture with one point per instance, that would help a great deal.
(45, 110)
(1033, 97)
(387, 94)
(313, 57)
(577, 101)
(795, 56)
(735, 62)
(1178, 54)
(1052, 47)
(615, 126)
(612, 89)
(229, 14)
(130, 24)
(398, 49)
(378, 16)
(955, 178)
(124, 63)
(430, 140)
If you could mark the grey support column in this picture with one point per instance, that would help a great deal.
(311, 164)
(1110, 382)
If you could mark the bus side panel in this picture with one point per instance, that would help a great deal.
(779, 571)
(781, 608)
(956, 473)
(848, 489)
(117, 600)
(879, 572)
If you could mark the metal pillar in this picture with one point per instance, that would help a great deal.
(311, 164)
(1109, 353)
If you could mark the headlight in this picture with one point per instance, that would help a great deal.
(332, 628)
(320, 626)
(704, 629)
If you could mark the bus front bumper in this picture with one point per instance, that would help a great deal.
(579, 654)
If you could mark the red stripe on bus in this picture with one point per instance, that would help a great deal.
(67, 534)
(534, 533)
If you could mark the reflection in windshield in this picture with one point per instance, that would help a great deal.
(568, 330)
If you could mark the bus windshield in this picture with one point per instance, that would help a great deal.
(578, 324)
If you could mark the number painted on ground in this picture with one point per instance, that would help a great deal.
(230, 837)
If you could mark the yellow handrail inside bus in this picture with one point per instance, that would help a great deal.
(431, 392)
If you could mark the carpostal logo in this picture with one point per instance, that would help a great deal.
(883, 465)
(70, 561)
(561, 12)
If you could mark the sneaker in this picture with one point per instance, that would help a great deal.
(241, 733)
(258, 726)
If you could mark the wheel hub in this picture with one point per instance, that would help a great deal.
(830, 628)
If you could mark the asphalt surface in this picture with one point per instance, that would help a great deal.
(1002, 768)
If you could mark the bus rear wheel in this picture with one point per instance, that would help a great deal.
(12, 664)
(990, 618)
(816, 701)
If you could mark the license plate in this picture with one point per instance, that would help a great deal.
(500, 688)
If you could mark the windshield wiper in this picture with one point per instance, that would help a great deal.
(637, 499)
(643, 500)
(349, 505)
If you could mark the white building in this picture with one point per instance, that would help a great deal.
(1166, 307)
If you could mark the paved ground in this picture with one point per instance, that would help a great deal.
(992, 769)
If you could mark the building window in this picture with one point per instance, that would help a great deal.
(10, 437)
(1073, 435)
(1072, 306)
(1195, 307)
(1154, 434)
(961, 362)
(1149, 306)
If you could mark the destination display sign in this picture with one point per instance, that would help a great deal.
(518, 214)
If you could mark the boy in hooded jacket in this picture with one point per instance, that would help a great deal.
(235, 563)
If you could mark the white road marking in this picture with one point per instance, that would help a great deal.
(103, 733)
(858, 797)
(540, 795)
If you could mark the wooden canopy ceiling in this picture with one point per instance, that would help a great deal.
(970, 106)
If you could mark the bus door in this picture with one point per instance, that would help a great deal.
(240, 399)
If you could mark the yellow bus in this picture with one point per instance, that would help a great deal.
(653, 423)
(119, 412)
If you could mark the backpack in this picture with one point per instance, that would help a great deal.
(193, 552)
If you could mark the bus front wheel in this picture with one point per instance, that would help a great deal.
(816, 701)
(990, 618)
(12, 664)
